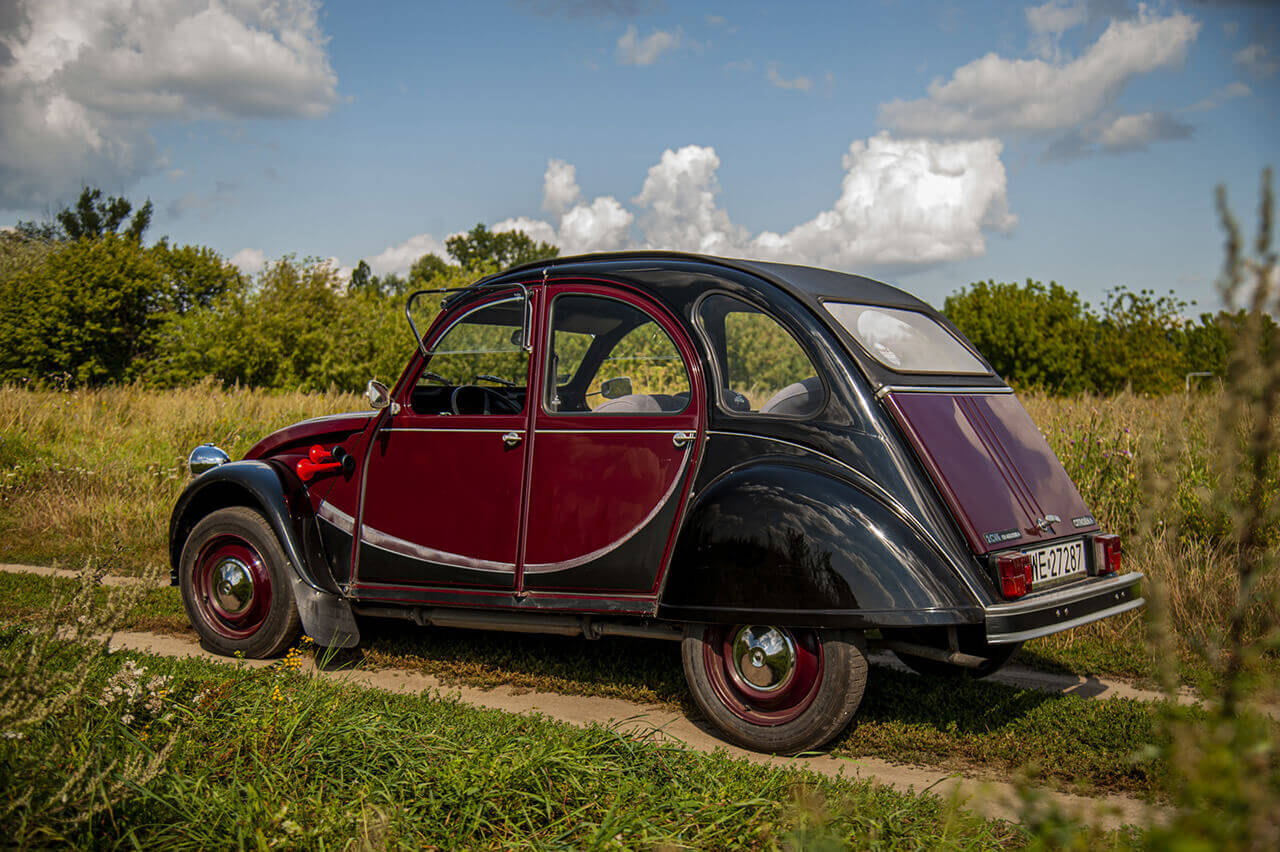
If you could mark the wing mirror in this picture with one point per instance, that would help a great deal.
(615, 388)
(379, 397)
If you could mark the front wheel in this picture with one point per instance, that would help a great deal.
(775, 689)
(236, 586)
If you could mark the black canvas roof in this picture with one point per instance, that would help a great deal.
(807, 282)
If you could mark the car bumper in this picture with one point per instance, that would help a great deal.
(1062, 609)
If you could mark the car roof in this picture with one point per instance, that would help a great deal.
(810, 283)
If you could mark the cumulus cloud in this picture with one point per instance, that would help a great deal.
(903, 203)
(798, 84)
(633, 50)
(81, 81)
(398, 258)
(250, 260)
(1229, 92)
(993, 96)
(1136, 132)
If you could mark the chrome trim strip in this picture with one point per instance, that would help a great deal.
(327, 417)
(1035, 633)
(587, 431)
(1064, 596)
(554, 567)
(400, 547)
(532, 593)
(878, 491)
(446, 429)
(888, 389)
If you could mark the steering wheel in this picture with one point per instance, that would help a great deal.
(503, 405)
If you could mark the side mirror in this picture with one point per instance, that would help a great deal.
(615, 388)
(379, 397)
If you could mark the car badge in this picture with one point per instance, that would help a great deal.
(1046, 523)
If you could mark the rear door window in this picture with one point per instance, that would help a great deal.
(763, 369)
(907, 341)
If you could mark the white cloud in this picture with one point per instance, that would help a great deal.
(1231, 91)
(1056, 17)
(250, 260)
(679, 193)
(903, 202)
(82, 81)
(798, 84)
(397, 259)
(1136, 132)
(633, 50)
(992, 96)
(1257, 60)
(537, 229)
(559, 186)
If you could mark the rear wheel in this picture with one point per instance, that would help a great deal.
(236, 586)
(775, 689)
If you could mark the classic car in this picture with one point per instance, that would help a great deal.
(778, 466)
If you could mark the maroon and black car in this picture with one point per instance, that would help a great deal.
(775, 465)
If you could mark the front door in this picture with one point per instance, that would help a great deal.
(444, 478)
(617, 428)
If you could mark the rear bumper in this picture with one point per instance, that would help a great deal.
(1062, 609)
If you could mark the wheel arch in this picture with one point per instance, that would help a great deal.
(795, 541)
(259, 485)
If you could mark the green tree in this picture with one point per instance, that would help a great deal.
(1138, 343)
(482, 249)
(194, 277)
(87, 311)
(93, 217)
(1031, 334)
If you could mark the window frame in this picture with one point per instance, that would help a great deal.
(545, 363)
(721, 381)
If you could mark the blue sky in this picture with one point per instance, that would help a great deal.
(928, 143)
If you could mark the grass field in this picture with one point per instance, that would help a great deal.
(92, 475)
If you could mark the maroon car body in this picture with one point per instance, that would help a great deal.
(776, 465)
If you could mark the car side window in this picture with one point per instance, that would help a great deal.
(762, 367)
(478, 366)
(609, 357)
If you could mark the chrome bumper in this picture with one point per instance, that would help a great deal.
(1062, 609)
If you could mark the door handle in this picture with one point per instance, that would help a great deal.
(511, 439)
(682, 439)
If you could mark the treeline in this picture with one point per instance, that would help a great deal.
(84, 301)
(1047, 338)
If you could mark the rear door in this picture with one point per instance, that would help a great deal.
(617, 432)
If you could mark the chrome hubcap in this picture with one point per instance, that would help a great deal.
(232, 586)
(764, 657)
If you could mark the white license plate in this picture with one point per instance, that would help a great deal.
(1057, 563)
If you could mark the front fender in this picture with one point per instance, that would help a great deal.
(790, 542)
(326, 615)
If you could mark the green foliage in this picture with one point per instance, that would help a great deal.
(482, 249)
(92, 218)
(1033, 335)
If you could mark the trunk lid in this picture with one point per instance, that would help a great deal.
(993, 467)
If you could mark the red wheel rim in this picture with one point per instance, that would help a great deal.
(756, 692)
(232, 587)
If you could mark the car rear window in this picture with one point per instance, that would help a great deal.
(906, 341)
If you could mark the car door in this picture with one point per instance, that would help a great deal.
(611, 463)
(443, 485)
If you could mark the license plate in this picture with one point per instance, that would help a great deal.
(1057, 563)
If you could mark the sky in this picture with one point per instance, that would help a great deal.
(929, 144)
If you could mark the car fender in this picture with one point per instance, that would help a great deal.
(326, 615)
(795, 542)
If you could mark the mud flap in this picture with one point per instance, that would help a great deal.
(326, 618)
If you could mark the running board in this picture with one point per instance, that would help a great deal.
(514, 622)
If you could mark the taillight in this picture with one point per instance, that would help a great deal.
(1014, 570)
(1106, 553)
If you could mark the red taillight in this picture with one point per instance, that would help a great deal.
(1106, 553)
(1014, 570)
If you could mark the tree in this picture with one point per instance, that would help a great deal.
(1138, 343)
(91, 218)
(482, 249)
(1031, 334)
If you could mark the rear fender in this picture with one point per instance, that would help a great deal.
(791, 542)
(326, 615)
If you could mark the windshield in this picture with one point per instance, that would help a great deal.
(906, 341)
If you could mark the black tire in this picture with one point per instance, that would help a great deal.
(808, 722)
(227, 545)
(969, 643)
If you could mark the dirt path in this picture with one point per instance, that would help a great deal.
(989, 798)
